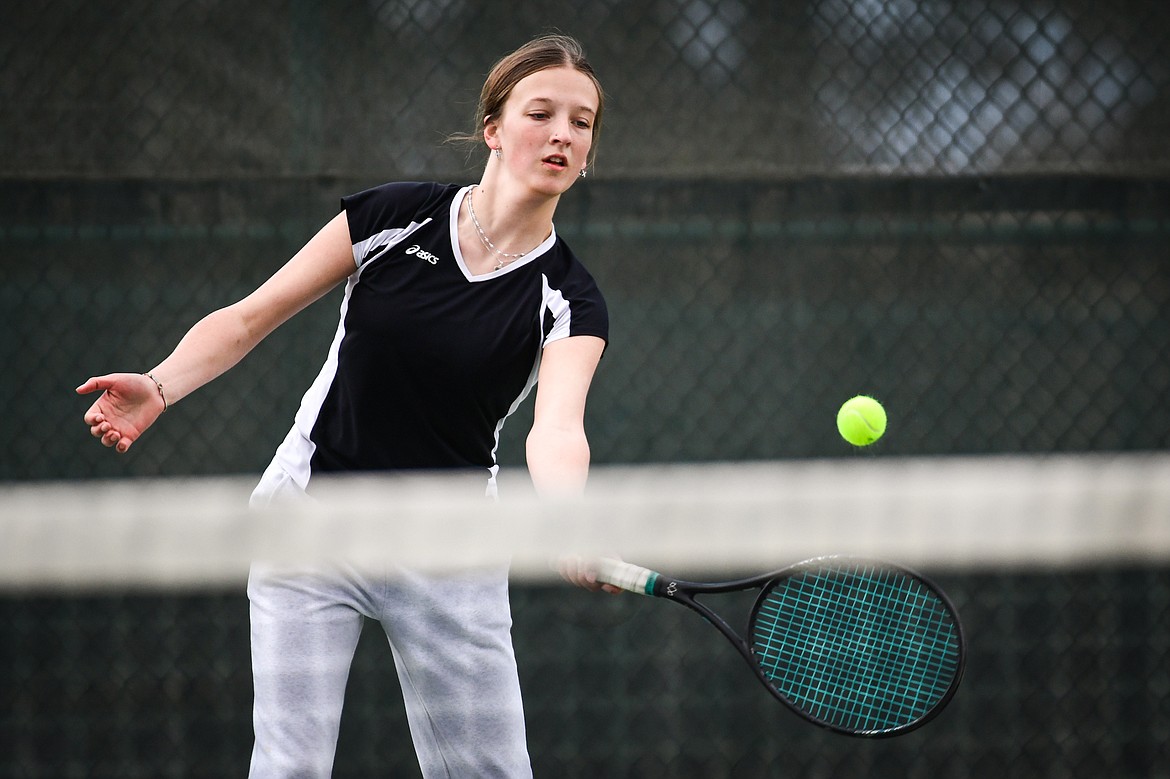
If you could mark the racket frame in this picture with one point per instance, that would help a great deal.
(648, 582)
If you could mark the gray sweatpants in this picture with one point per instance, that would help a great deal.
(450, 638)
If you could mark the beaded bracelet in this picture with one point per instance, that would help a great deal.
(158, 384)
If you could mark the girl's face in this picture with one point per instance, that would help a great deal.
(545, 129)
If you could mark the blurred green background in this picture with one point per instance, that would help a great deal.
(960, 208)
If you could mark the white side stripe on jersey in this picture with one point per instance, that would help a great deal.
(296, 453)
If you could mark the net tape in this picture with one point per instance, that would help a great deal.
(960, 512)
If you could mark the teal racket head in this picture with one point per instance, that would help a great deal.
(859, 647)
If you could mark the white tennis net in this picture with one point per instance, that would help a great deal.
(954, 512)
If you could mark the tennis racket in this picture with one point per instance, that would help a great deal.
(862, 648)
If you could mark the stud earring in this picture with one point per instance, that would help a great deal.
(582, 173)
(499, 154)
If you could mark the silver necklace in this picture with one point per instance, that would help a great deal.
(504, 257)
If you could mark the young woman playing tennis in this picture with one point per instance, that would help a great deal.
(458, 300)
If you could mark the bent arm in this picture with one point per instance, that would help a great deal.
(130, 402)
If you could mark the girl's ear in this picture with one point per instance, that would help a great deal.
(491, 132)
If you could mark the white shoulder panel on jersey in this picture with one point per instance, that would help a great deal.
(554, 302)
(377, 244)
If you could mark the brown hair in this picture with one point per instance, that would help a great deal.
(547, 51)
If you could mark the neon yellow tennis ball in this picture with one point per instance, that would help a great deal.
(861, 420)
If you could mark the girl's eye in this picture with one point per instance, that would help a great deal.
(583, 124)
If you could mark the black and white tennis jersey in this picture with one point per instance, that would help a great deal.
(428, 360)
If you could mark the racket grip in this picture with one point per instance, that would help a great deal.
(630, 577)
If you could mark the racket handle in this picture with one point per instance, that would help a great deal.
(630, 577)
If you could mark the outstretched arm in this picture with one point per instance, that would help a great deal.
(557, 448)
(131, 402)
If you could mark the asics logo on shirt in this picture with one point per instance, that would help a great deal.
(422, 254)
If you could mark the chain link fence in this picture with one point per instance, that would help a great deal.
(725, 88)
(990, 315)
(1067, 677)
(960, 207)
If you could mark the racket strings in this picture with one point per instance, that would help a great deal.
(865, 683)
(853, 697)
(836, 684)
(862, 690)
(867, 650)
